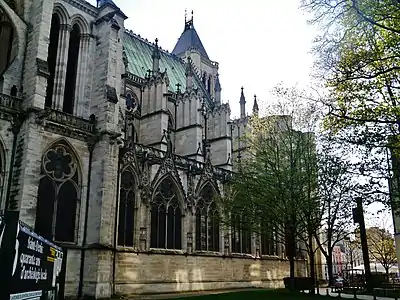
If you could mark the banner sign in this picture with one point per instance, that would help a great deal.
(37, 264)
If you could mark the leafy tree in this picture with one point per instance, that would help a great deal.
(275, 185)
(381, 247)
(358, 63)
(336, 191)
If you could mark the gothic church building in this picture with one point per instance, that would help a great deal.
(114, 149)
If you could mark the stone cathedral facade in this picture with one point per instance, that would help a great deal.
(114, 149)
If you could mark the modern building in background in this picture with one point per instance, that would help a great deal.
(114, 149)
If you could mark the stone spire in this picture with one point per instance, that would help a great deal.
(242, 105)
(217, 90)
(189, 39)
(156, 56)
(255, 106)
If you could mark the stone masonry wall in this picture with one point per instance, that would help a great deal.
(146, 273)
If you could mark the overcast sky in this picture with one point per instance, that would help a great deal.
(257, 43)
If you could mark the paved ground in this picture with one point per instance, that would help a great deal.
(326, 291)
(322, 291)
(185, 294)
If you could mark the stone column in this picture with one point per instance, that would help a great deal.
(79, 96)
(61, 67)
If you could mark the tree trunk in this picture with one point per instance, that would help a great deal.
(291, 254)
(329, 263)
(311, 255)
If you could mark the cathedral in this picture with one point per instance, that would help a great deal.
(115, 149)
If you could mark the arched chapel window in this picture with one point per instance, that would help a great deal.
(207, 221)
(58, 195)
(72, 69)
(166, 217)
(126, 219)
(52, 58)
(268, 240)
(241, 235)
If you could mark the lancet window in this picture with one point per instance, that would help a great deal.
(6, 41)
(241, 235)
(72, 69)
(58, 195)
(126, 218)
(207, 221)
(52, 58)
(166, 217)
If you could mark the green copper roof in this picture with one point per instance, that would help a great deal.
(139, 53)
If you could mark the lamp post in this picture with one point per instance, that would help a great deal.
(358, 217)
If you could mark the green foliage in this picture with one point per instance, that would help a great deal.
(358, 60)
(381, 247)
(275, 185)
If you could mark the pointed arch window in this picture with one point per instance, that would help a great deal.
(268, 240)
(58, 195)
(166, 217)
(126, 218)
(241, 235)
(209, 85)
(52, 58)
(72, 68)
(207, 221)
(6, 41)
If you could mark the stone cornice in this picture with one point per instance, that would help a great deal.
(83, 6)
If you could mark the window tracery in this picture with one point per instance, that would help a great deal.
(207, 221)
(166, 217)
(58, 195)
(126, 221)
(131, 101)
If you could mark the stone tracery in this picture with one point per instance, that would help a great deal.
(58, 194)
(166, 216)
(207, 221)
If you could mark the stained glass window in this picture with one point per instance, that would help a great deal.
(58, 195)
(126, 222)
(240, 235)
(207, 221)
(166, 217)
(268, 240)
